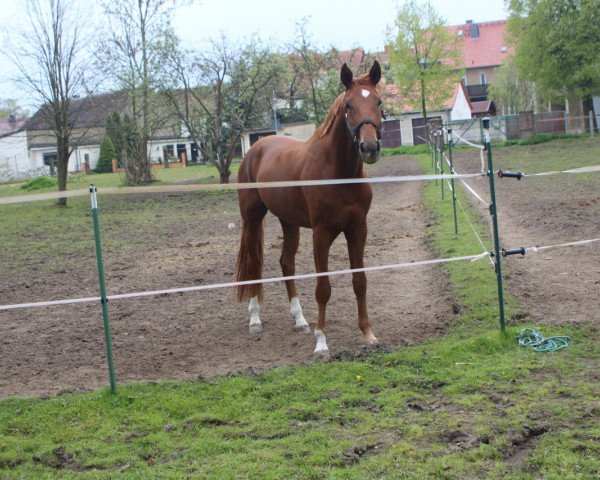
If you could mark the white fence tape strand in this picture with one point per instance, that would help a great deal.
(247, 282)
(472, 258)
(229, 186)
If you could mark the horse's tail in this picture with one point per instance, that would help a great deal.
(250, 261)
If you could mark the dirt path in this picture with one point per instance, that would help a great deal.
(48, 350)
(559, 286)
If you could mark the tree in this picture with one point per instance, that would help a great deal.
(107, 154)
(557, 44)
(133, 54)
(9, 107)
(425, 56)
(229, 89)
(510, 92)
(48, 56)
(308, 66)
(114, 131)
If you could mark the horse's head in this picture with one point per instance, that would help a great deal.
(363, 113)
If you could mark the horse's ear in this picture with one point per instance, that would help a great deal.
(375, 73)
(346, 76)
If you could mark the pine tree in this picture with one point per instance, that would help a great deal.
(107, 154)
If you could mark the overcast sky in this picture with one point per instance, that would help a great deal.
(343, 24)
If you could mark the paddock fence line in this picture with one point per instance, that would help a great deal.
(306, 276)
(494, 256)
(224, 186)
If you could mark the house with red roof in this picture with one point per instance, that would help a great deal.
(483, 49)
(408, 127)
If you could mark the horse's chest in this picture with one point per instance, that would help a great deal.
(340, 208)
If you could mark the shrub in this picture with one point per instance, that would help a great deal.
(405, 150)
(39, 183)
(107, 154)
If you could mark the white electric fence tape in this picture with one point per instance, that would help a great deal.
(472, 258)
(480, 147)
(246, 282)
(467, 186)
(229, 186)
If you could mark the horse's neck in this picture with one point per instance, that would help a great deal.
(340, 152)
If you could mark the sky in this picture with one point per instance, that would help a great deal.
(343, 24)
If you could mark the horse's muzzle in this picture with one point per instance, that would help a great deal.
(369, 151)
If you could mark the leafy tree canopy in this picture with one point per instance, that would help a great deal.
(557, 44)
(425, 56)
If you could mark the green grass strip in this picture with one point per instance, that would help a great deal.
(470, 405)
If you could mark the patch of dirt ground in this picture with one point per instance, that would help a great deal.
(183, 336)
(558, 286)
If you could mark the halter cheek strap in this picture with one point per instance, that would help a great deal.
(355, 130)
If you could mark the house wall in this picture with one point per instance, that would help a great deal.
(461, 108)
(155, 149)
(472, 75)
(406, 124)
(13, 152)
(300, 131)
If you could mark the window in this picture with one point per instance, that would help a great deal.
(168, 153)
(482, 79)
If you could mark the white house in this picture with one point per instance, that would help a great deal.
(31, 149)
(299, 130)
(410, 122)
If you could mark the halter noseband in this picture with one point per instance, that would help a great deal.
(354, 131)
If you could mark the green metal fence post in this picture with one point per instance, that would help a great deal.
(449, 130)
(435, 151)
(104, 301)
(441, 145)
(494, 212)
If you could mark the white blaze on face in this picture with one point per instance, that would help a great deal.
(365, 93)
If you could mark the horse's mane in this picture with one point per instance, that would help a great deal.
(336, 107)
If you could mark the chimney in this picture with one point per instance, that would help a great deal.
(474, 29)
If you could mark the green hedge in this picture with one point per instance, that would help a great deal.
(39, 183)
(405, 150)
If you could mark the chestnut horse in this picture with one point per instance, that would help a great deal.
(349, 136)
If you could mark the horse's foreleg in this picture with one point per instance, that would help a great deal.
(322, 240)
(356, 247)
(291, 240)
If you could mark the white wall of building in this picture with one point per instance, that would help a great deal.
(13, 152)
(300, 131)
(461, 109)
(406, 128)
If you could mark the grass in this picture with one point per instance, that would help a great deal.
(198, 173)
(469, 405)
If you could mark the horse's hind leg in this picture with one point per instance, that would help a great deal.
(250, 257)
(291, 239)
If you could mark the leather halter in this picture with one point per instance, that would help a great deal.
(355, 130)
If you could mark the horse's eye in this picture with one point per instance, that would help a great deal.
(379, 102)
(348, 106)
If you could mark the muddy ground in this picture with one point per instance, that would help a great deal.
(55, 349)
(557, 286)
(184, 336)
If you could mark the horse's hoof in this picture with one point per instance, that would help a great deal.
(322, 355)
(255, 328)
(373, 341)
(302, 328)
